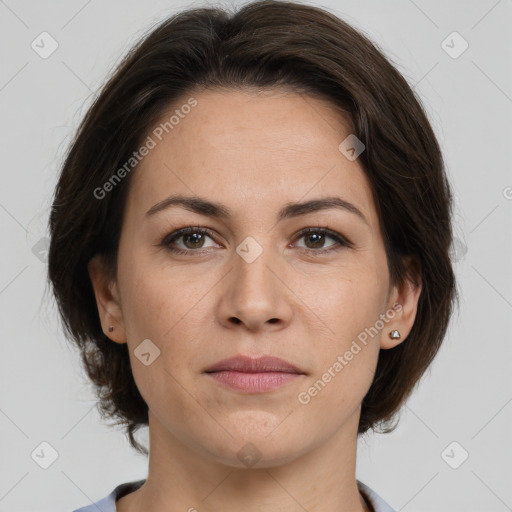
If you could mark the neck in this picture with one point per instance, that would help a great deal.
(321, 478)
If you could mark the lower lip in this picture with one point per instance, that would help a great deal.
(254, 382)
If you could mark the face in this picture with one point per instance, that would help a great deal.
(246, 280)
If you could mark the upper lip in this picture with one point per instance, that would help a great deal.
(254, 365)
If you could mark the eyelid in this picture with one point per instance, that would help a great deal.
(177, 233)
(341, 240)
(326, 231)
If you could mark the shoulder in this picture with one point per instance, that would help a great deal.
(378, 504)
(108, 503)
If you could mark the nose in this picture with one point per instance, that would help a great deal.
(255, 294)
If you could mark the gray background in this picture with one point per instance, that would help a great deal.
(465, 397)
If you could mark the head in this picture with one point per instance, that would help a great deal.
(245, 115)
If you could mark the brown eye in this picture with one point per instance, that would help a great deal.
(191, 238)
(196, 240)
(315, 239)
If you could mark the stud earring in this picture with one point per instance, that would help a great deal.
(394, 335)
(111, 328)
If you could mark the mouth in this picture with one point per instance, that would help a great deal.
(248, 364)
(249, 375)
(251, 382)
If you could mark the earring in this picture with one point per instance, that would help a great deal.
(394, 335)
(111, 328)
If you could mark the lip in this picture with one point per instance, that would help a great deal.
(248, 364)
(254, 375)
(253, 382)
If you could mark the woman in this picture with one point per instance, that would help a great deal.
(250, 246)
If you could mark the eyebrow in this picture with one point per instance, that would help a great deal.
(290, 210)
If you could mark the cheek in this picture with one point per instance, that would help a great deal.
(164, 305)
(347, 357)
(347, 300)
(163, 311)
(347, 338)
(158, 299)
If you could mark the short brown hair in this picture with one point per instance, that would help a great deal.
(265, 44)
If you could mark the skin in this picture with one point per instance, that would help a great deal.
(253, 153)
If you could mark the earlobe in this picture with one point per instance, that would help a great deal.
(107, 300)
(404, 301)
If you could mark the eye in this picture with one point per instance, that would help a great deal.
(315, 240)
(192, 238)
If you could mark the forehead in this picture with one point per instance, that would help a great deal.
(247, 147)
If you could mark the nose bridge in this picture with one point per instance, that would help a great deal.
(255, 295)
(252, 261)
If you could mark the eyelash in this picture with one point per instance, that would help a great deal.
(175, 235)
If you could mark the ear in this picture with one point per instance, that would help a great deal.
(404, 301)
(107, 299)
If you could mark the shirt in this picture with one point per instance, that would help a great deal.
(108, 504)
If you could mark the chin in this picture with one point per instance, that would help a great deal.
(264, 449)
